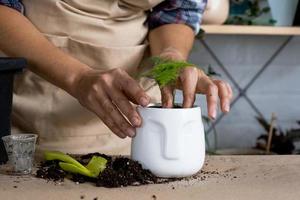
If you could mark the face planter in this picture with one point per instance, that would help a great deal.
(170, 142)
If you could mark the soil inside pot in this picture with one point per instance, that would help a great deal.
(119, 172)
(174, 107)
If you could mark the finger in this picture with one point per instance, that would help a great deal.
(189, 79)
(112, 112)
(167, 96)
(123, 104)
(113, 127)
(207, 87)
(223, 94)
(99, 111)
(229, 90)
(132, 89)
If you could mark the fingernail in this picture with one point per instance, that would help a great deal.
(144, 101)
(226, 107)
(130, 132)
(214, 114)
(135, 121)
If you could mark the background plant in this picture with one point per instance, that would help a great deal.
(249, 12)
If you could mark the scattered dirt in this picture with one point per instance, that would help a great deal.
(123, 172)
(51, 171)
(119, 172)
(154, 197)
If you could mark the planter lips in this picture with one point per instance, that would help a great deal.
(8, 68)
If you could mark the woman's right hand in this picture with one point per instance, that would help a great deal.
(108, 94)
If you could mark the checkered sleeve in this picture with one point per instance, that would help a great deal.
(15, 4)
(187, 12)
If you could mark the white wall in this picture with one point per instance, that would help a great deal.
(277, 89)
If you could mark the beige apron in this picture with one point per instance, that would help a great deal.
(104, 34)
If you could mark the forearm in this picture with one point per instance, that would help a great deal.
(172, 39)
(19, 38)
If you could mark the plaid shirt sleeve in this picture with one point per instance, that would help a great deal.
(15, 4)
(187, 12)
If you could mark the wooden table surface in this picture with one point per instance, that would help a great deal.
(225, 177)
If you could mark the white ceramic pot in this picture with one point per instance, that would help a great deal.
(170, 142)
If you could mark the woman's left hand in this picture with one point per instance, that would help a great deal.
(193, 80)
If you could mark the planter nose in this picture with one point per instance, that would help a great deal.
(171, 144)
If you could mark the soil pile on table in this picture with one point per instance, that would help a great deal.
(119, 172)
(50, 170)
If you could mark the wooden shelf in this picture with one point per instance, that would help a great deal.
(250, 30)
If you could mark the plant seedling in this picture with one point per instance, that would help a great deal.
(165, 71)
(95, 166)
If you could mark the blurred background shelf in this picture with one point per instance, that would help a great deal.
(250, 30)
(261, 63)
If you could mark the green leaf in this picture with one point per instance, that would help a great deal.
(96, 165)
(68, 167)
(57, 155)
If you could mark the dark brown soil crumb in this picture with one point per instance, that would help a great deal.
(50, 170)
(15, 186)
(119, 172)
(204, 175)
(82, 197)
(154, 197)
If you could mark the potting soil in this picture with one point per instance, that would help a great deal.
(119, 172)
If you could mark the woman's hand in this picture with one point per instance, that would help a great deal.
(108, 94)
(193, 80)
